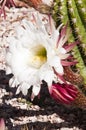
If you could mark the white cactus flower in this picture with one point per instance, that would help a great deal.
(33, 55)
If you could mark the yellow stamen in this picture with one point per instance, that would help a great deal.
(39, 57)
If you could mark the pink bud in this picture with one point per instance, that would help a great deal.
(64, 93)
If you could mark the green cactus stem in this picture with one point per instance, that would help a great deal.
(56, 15)
(81, 6)
(77, 24)
(64, 19)
(80, 65)
(63, 11)
(76, 53)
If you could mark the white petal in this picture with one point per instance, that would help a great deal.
(8, 57)
(29, 75)
(12, 82)
(36, 89)
(59, 69)
(56, 63)
(63, 51)
(20, 31)
(55, 36)
(12, 47)
(18, 62)
(24, 88)
(8, 70)
(18, 90)
(47, 74)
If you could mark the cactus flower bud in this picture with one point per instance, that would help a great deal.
(64, 93)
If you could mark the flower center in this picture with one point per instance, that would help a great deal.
(39, 56)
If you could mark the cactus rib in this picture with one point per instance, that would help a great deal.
(81, 6)
(76, 53)
(64, 17)
(77, 24)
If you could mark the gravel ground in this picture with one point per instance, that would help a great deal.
(41, 114)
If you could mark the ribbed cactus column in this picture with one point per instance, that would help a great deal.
(78, 27)
(73, 12)
(68, 13)
(80, 34)
(81, 6)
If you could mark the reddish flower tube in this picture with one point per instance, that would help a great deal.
(64, 93)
